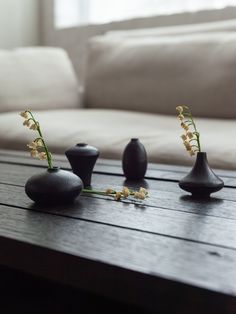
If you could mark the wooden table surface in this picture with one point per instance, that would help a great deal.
(169, 255)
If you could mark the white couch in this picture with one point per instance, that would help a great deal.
(134, 82)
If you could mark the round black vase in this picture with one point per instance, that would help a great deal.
(53, 186)
(82, 159)
(134, 160)
(201, 180)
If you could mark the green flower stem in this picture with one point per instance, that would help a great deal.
(198, 141)
(112, 194)
(49, 157)
(89, 191)
(94, 192)
(196, 132)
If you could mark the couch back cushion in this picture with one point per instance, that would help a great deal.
(155, 74)
(37, 78)
(215, 26)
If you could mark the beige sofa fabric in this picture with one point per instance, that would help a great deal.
(216, 26)
(110, 131)
(38, 78)
(156, 74)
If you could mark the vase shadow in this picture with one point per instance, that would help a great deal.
(136, 184)
(60, 207)
(205, 205)
(209, 200)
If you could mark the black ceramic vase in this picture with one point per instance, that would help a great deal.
(201, 180)
(53, 186)
(82, 158)
(134, 160)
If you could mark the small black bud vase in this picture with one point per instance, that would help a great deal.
(53, 186)
(82, 159)
(201, 180)
(134, 160)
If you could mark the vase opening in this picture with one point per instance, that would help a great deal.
(201, 153)
(54, 169)
(81, 144)
(134, 139)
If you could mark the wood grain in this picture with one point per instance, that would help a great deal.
(162, 257)
(166, 195)
(159, 172)
(170, 248)
(187, 226)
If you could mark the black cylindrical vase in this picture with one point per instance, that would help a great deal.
(134, 160)
(82, 159)
(201, 180)
(53, 186)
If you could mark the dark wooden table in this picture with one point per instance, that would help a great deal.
(169, 255)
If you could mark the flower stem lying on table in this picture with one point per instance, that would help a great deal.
(118, 195)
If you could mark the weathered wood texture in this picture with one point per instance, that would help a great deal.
(170, 254)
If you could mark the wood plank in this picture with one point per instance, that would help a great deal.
(97, 257)
(166, 195)
(117, 163)
(215, 231)
(106, 167)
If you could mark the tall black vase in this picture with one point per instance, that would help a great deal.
(82, 159)
(53, 186)
(134, 160)
(201, 180)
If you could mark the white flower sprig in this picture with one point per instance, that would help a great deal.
(38, 147)
(126, 193)
(191, 138)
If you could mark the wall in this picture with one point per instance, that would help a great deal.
(74, 40)
(19, 23)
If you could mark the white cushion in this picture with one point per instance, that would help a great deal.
(155, 74)
(110, 131)
(37, 78)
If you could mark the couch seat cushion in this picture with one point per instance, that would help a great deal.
(110, 131)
